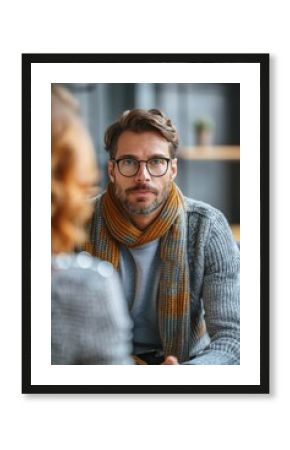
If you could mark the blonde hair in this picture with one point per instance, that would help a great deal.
(70, 206)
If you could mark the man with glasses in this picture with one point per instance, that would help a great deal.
(178, 262)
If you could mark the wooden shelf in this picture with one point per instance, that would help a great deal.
(236, 231)
(216, 152)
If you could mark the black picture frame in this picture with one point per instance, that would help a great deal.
(262, 60)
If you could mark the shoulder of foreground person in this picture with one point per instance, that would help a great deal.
(88, 304)
(82, 268)
(91, 278)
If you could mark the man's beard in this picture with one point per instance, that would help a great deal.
(133, 209)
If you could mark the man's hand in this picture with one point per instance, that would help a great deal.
(171, 360)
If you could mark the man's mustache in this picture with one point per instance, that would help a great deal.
(142, 187)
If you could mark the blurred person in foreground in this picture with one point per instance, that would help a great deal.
(176, 256)
(89, 319)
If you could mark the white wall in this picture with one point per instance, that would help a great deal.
(137, 422)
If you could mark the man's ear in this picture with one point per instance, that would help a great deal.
(173, 168)
(111, 171)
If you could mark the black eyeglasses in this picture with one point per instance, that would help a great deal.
(129, 167)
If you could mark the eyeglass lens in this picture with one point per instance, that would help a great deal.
(155, 166)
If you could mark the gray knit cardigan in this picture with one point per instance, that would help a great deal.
(214, 262)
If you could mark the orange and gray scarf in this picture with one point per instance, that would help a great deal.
(113, 227)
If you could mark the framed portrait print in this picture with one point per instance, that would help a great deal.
(220, 106)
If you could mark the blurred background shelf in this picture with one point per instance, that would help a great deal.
(215, 152)
(236, 231)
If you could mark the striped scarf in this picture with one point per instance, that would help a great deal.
(114, 227)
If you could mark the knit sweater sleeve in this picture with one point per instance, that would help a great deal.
(221, 293)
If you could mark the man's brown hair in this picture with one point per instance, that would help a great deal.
(140, 120)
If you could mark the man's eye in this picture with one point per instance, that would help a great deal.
(128, 162)
(157, 162)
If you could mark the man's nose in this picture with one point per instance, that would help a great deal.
(143, 173)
